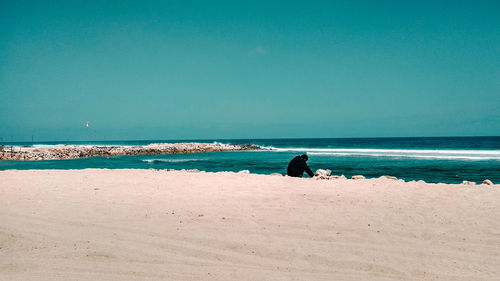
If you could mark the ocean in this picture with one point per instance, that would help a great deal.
(432, 159)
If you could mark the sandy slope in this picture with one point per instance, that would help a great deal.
(158, 225)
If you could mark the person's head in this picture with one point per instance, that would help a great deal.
(304, 157)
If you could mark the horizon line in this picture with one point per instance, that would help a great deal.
(235, 139)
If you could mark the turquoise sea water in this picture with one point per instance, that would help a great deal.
(450, 159)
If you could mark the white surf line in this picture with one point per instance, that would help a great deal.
(369, 150)
(405, 153)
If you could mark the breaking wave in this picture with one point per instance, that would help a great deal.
(172, 160)
(474, 155)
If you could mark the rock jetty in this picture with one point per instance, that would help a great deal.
(79, 151)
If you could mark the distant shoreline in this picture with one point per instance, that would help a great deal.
(55, 152)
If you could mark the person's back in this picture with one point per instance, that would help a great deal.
(297, 166)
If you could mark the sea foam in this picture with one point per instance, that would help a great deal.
(172, 160)
(476, 155)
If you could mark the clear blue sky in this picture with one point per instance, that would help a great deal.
(248, 69)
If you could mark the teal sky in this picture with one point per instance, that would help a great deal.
(248, 69)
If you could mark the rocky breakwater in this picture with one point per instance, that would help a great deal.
(77, 151)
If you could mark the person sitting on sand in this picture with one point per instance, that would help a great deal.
(297, 166)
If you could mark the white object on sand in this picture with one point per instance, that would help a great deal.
(322, 174)
(468, 183)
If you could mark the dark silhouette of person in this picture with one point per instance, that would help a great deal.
(297, 166)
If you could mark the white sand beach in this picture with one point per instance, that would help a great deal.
(170, 225)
